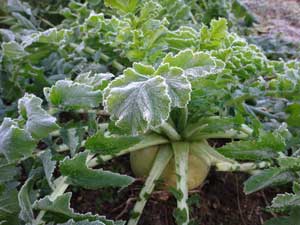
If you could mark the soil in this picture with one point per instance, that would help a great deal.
(277, 18)
(221, 201)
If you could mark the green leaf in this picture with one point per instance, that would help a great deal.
(25, 201)
(149, 10)
(83, 222)
(38, 122)
(98, 81)
(110, 145)
(293, 111)
(67, 94)
(289, 163)
(195, 65)
(48, 166)
(9, 205)
(40, 45)
(183, 38)
(242, 60)
(8, 171)
(209, 125)
(296, 188)
(15, 143)
(12, 50)
(94, 2)
(24, 21)
(138, 102)
(292, 219)
(126, 6)
(208, 97)
(73, 138)
(180, 215)
(285, 202)
(218, 28)
(79, 174)
(59, 210)
(266, 178)
(179, 88)
(215, 37)
(18, 6)
(49, 36)
(266, 146)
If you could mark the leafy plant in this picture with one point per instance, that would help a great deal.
(59, 40)
(185, 85)
(276, 47)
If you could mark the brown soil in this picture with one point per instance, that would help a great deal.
(221, 201)
(277, 17)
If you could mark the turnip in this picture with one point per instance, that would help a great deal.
(142, 161)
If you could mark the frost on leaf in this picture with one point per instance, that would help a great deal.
(15, 143)
(98, 81)
(78, 173)
(58, 210)
(195, 65)
(105, 145)
(137, 101)
(179, 88)
(48, 166)
(283, 202)
(25, 200)
(266, 178)
(73, 95)
(38, 122)
(215, 37)
(9, 204)
(83, 222)
(12, 50)
(142, 97)
(125, 6)
(8, 171)
(266, 146)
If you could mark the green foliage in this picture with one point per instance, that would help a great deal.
(83, 222)
(84, 92)
(267, 178)
(78, 174)
(266, 146)
(124, 76)
(276, 48)
(286, 220)
(16, 143)
(286, 203)
(72, 95)
(49, 166)
(124, 6)
(25, 201)
(61, 212)
(38, 122)
(8, 171)
(9, 204)
(110, 145)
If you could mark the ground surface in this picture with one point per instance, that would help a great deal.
(221, 200)
(277, 17)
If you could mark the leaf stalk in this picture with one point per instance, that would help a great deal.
(170, 132)
(161, 161)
